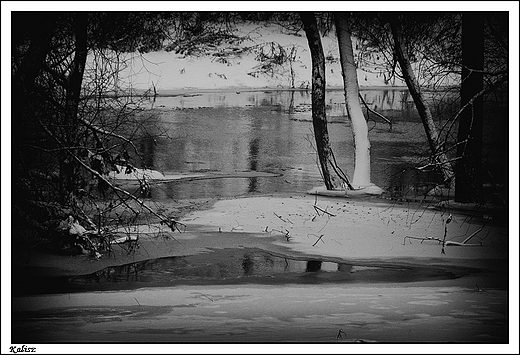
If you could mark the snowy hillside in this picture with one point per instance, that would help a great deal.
(224, 69)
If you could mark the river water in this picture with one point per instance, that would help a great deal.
(271, 298)
(271, 131)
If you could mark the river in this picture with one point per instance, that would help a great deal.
(271, 131)
(272, 298)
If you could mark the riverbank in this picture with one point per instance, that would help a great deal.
(357, 230)
(472, 307)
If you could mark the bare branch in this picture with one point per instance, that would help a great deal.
(112, 134)
(164, 220)
(472, 235)
(323, 211)
(319, 238)
(376, 113)
(470, 102)
(431, 165)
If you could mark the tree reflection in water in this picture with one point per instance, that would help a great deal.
(248, 265)
(236, 265)
(313, 265)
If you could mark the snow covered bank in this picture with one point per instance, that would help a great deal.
(347, 229)
(167, 71)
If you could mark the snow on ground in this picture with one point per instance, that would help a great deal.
(168, 71)
(347, 228)
(137, 174)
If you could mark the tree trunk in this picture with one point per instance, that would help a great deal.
(355, 114)
(68, 166)
(319, 118)
(468, 186)
(432, 134)
(30, 65)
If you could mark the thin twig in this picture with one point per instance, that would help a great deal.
(339, 172)
(474, 234)
(449, 242)
(238, 227)
(376, 113)
(316, 242)
(286, 221)
(108, 133)
(422, 239)
(324, 211)
(169, 222)
(285, 234)
(444, 239)
(438, 163)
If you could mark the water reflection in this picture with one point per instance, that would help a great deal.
(217, 265)
(396, 99)
(147, 149)
(248, 265)
(253, 153)
(272, 131)
(313, 265)
(254, 149)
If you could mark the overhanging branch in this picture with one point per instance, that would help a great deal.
(108, 133)
(168, 221)
(490, 88)
(376, 113)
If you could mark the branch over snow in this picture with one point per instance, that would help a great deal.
(164, 220)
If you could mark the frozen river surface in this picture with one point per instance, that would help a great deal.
(264, 313)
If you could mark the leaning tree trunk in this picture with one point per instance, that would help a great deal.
(351, 89)
(319, 118)
(468, 186)
(432, 134)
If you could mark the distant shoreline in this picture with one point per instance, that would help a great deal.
(239, 90)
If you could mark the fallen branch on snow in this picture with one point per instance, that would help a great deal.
(444, 242)
(319, 238)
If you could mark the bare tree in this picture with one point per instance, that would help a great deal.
(351, 89)
(468, 183)
(432, 134)
(68, 130)
(319, 117)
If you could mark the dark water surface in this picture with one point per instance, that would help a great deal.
(234, 267)
(272, 131)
